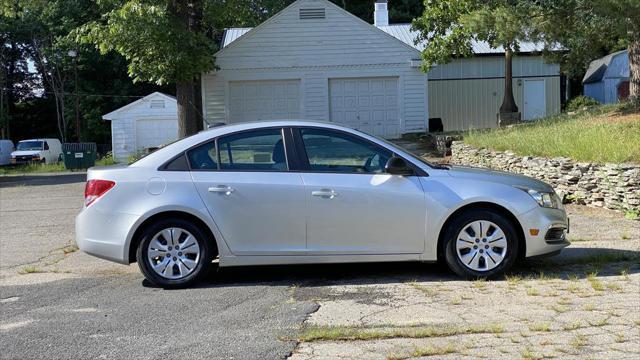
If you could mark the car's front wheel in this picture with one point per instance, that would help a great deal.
(174, 253)
(481, 243)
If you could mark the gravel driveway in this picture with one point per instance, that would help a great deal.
(59, 303)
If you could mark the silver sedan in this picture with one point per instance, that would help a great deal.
(301, 192)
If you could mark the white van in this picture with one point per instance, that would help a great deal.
(6, 148)
(46, 151)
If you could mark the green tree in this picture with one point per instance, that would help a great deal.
(39, 91)
(450, 28)
(588, 29)
(163, 41)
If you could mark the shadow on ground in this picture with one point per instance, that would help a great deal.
(572, 263)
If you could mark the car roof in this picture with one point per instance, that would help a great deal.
(165, 153)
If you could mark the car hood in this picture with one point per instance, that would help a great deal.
(501, 177)
(26, 152)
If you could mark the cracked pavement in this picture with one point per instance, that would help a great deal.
(59, 303)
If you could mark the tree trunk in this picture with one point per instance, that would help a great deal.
(508, 103)
(188, 13)
(634, 67)
(187, 119)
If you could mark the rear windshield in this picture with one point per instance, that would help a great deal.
(30, 145)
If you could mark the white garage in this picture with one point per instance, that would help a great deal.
(315, 61)
(366, 104)
(264, 100)
(143, 125)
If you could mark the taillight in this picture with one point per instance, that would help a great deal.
(95, 189)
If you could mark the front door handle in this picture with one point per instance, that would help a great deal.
(325, 193)
(227, 190)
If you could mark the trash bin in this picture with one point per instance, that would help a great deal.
(79, 155)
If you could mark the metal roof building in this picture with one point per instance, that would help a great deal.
(465, 93)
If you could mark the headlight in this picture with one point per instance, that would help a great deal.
(544, 199)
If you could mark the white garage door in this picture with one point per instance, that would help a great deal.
(152, 133)
(264, 100)
(367, 104)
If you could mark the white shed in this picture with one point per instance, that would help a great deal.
(143, 124)
(316, 61)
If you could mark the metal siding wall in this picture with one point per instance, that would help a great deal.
(474, 104)
(493, 66)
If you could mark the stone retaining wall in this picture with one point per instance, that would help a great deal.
(614, 186)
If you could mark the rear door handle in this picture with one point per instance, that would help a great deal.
(325, 193)
(227, 190)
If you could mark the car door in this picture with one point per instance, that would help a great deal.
(256, 202)
(353, 207)
(46, 153)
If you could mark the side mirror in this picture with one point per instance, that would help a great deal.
(397, 166)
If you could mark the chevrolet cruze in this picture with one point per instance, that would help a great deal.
(300, 192)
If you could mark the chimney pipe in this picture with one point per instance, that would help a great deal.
(381, 14)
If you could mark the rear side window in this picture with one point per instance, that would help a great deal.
(203, 157)
(177, 164)
(258, 150)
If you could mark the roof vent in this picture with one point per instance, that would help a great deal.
(157, 104)
(308, 14)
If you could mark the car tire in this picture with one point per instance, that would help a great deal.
(484, 249)
(177, 261)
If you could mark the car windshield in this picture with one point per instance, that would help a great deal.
(30, 145)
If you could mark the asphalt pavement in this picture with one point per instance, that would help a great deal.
(57, 305)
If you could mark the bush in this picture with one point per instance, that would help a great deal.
(580, 102)
(107, 159)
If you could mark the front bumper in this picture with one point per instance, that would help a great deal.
(24, 160)
(103, 234)
(551, 225)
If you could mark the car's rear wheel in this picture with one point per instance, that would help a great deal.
(481, 243)
(174, 253)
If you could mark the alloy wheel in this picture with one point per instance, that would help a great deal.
(173, 253)
(481, 245)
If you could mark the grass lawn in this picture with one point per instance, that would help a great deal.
(607, 133)
(32, 169)
(47, 168)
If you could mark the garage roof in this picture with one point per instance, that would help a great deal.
(113, 115)
(403, 33)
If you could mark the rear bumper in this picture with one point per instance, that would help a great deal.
(546, 221)
(104, 235)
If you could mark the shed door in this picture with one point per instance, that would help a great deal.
(264, 100)
(366, 104)
(534, 99)
(151, 133)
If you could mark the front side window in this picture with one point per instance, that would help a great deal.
(332, 151)
(259, 150)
